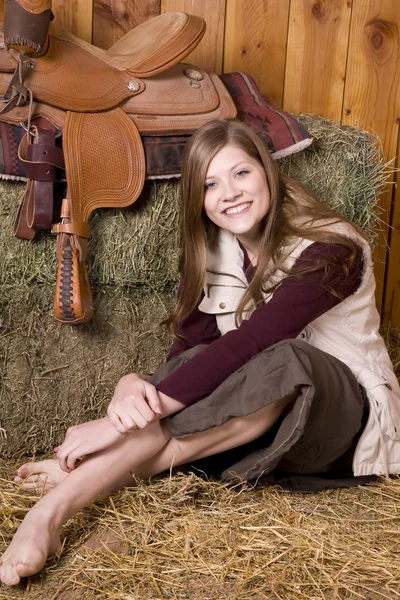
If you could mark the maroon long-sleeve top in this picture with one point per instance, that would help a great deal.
(296, 302)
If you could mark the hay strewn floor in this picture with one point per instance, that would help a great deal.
(186, 538)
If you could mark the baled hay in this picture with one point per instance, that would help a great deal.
(344, 168)
(140, 243)
(128, 246)
(53, 376)
(185, 538)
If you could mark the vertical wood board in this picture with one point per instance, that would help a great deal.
(255, 42)
(208, 53)
(76, 16)
(372, 91)
(316, 56)
(112, 19)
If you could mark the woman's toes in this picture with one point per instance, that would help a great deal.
(40, 476)
(11, 574)
(8, 574)
(35, 483)
(27, 469)
(25, 569)
(10, 577)
(22, 473)
(30, 547)
(31, 487)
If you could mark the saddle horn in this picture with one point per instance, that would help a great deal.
(26, 33)
(26, 25)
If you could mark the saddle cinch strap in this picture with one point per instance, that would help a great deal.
(95, 178)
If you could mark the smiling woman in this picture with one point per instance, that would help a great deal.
(277, 364)
(237, 196)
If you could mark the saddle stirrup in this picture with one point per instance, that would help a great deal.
(96, 178)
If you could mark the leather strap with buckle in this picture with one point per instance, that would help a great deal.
(42, 160)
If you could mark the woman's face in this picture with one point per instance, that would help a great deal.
(237, 196)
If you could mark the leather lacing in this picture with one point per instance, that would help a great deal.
(38, 48)
(65, 297)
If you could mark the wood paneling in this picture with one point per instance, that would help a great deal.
(76, 16)
(255, 42)
(372, 91)
(113, 18)
(209, 52)
(316, 56)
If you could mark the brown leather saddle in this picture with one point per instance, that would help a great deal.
(102, 102)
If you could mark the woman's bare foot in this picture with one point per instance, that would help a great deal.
(40, 476)
(36, 538)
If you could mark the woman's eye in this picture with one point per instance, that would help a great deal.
(242, 173)
(210, 186)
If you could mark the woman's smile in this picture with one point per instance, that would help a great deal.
(234, 211)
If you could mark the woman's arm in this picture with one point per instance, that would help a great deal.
(295, 304)
(197, 328)
(135, 404)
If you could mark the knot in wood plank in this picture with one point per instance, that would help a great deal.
(381, 33)
(317, 9)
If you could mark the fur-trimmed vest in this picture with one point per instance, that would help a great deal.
(349, 331)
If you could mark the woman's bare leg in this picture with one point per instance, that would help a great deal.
(144, 452)
(39, 532)
(233, 433)
(44, 475)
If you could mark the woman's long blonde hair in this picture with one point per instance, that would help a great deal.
(294, 212)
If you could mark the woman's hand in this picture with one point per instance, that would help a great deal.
(135, 404)
(85, 439)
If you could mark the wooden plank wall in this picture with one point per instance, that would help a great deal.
(336, 58)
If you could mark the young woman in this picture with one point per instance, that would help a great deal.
(278, 369)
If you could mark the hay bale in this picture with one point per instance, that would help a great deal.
(139, 244)
(53, 376)
(344, 168)
(130, 246)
